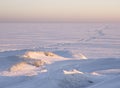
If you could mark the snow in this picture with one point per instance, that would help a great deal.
(37, 55)
(59, 55)
(74, 71)
(80, 56)
(111, 83)
(108, 72)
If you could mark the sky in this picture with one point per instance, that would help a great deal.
(60, 10)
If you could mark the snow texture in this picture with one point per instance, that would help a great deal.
(59, 55)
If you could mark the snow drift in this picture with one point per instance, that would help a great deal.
(39, 55)
(23, 66)
(47, 57)
(61, 72)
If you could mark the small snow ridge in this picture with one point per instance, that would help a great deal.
(74, 71)
(80, 56)
(95, 73)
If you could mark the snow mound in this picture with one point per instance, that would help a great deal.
(47, 57)
(22, 66)
(26, 68)
(20, 69)
(38, 55)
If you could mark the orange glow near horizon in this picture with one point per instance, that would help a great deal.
(60, 10)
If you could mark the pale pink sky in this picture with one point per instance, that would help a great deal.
(60, 10)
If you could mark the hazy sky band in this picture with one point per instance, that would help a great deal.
(60, 10)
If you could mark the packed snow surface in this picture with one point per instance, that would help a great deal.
(59, 55)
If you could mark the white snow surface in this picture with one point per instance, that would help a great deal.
(59, 55)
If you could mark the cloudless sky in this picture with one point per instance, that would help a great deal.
(60, 10)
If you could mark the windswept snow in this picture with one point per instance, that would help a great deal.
(69, 73)
(108, 72)
(113, 82)
(60, 55)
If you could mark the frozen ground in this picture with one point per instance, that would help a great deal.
(59, 55)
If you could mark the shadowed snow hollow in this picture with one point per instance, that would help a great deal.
(75, 79)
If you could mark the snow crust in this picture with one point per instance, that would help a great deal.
(61, 72)
(60, 55)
